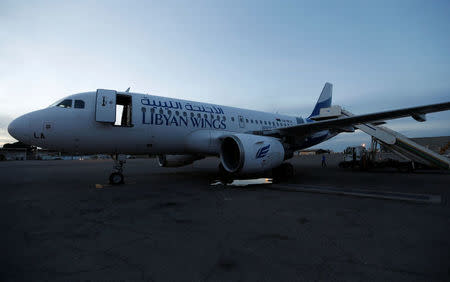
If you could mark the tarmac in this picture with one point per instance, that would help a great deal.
(62, 221)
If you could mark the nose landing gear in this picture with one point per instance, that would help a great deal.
(116, 176)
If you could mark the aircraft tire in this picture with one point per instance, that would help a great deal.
(116, 178)
(288, 170)
(224, 176)
(283, 172)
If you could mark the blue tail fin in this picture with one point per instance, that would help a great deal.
(324, 99)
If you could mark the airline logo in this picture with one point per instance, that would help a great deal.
(262, 152)
(187, 115)
(188, 106)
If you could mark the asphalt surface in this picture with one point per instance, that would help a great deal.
(61, 221)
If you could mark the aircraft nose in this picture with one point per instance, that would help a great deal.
(20, 129)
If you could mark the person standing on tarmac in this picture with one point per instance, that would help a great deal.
(324, 163)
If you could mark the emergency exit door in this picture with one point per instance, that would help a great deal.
(105, 109)
(241, 122)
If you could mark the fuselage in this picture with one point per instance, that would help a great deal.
(147, 125)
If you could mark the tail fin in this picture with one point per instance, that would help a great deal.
(324, 99)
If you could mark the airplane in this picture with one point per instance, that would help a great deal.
(181, 132)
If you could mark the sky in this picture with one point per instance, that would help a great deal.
(272, 56)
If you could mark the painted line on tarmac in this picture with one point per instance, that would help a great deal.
(387, 195)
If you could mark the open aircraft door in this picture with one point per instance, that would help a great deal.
(105, 109)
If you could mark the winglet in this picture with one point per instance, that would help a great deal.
(324, 99)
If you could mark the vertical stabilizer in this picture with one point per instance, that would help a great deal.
(324, 99)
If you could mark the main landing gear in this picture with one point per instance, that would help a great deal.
(224, 176)
(116, 176)
(282, 172)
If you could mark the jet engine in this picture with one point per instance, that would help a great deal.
(247, 153)
(177, 160)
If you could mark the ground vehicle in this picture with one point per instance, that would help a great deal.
(360, 157)
(355, 157)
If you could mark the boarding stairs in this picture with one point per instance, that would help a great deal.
(402, 145)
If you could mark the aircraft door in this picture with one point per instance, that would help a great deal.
(241, 122)
(105, 108)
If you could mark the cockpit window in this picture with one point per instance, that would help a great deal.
(79, 104)
(65, 104)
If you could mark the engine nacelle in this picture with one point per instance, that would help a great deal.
(247, 153)
(177, 160)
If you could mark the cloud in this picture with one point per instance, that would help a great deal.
(4, 135)
(4, 121)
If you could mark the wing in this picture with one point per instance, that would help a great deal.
(338, 124)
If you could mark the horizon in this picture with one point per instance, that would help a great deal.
(267, 56)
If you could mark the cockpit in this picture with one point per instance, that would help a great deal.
(69, 103)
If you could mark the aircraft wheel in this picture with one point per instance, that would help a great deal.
(288, 170)
(222, 169)
(116, 178)
(224, 176)
(283, 172)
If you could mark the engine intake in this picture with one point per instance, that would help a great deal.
(247, 153)
(232, 156)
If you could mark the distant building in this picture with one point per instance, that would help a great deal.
(13, 154)
(47, 155)
(439, 144)
(313, 152)
(16, 151)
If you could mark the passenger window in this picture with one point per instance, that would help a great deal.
(79, 104)
(232, 118)
(65, 104)
(246, 120)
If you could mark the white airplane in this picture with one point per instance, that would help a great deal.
(181, 132)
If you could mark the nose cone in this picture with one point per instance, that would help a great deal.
(20, 129)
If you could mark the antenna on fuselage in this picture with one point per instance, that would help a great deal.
(128, 89)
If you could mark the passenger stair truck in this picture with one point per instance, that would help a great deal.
(398, 143)
(403, 146)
